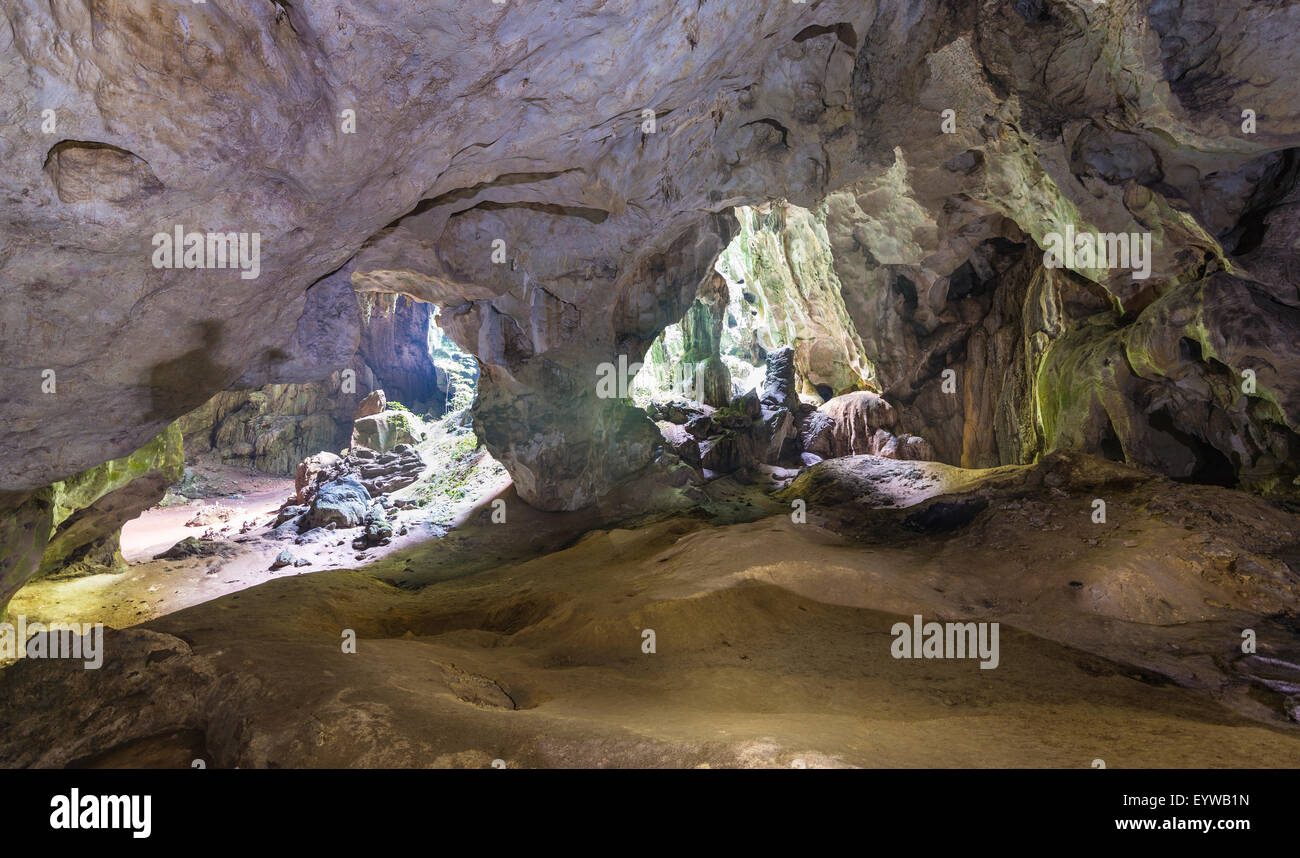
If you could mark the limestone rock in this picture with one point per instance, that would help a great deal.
(858, 423)
(383, 431)
(270, 428)
(678, 411)
(391, 471)
(342, 502)
(136, 662)
(374, 403)
(779, 386)
(304, 480)
(377, 529)
(783, 269)
(378, 473)
(291, 512)
(287, 558)
(857, 417)
(74, 524)
(395, 345)
(817, 433)
(1106, 117)
(192, 546)
(711, 381)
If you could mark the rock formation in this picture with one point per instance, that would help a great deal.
(560, 212)
(782, 263)
(75, 523)
(376, 340)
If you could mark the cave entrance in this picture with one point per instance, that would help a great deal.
(717, 351)
(457, 369)
(1212, 467)
(774, 285)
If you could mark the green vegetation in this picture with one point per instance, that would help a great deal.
(403, 422)
(461, 369)
(459, 456)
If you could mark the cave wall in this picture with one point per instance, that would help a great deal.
(1044, 359)
(76, 522)
(395, 347)
(783, 263)
(490, 171)
(273, 427)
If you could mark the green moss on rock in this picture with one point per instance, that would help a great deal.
(76, 522)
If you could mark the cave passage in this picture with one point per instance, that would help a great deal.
(650, 384)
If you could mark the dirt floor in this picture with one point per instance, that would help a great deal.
(525, 641)
(242, 517)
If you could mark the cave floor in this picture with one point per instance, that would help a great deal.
(1120, 641)
(247, 504)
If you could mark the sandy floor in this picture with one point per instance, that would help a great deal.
(1118, 642)
(152, 588)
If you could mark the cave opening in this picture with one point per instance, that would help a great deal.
(1210, 465)
(1111, 447)
(765, 292)
(892, 486)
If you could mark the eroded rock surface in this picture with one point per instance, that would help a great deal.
(1126, 633)
(562, 200)
(304, 400)
(74, 524)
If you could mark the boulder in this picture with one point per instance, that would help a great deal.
(316, 534)
(685, 446)
(701, 427)
(780, 386)
(287, 530)
(816, 434)
(677, 411)
(721, 454)
(390, 471)
(287, 558)
(342, 502)
(856, 418)
(915, 448)
(383, 431)
(379, 473)
(290, 512)
(378, 529)
(374, 403)
(192, 546)
(774, 429)
(304, 481)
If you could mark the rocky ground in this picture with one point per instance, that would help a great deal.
(222, 538)
(522, 641)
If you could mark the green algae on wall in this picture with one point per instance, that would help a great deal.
(781, 289)
(134, 482)
(164, 454)
(79, 519)
(785, 291)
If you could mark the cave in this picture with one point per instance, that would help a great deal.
(449, 386)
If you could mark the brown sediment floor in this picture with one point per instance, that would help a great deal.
(1118, 641)
(151, 588)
